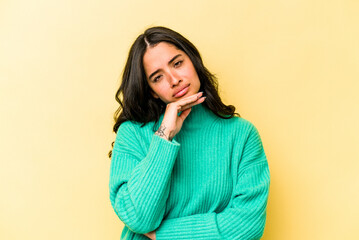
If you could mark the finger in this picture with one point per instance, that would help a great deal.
(189, 99)
(189, 103)
(199, 101)
(191, 96)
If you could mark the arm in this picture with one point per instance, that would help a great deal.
(245, 216)
(139, 181)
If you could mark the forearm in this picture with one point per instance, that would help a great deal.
(140, 200)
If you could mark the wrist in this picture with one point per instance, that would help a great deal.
(164, 136)
(164, 133)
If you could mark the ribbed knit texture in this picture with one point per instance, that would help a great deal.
(210, 182)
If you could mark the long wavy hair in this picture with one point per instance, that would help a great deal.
(137, 102)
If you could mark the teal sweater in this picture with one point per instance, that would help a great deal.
(210, 182)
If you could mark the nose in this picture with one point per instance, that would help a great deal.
(174, 79)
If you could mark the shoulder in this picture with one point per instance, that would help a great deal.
(241, 130)
(238, 123)
(132, 135)
(129, 127)
(134, 131)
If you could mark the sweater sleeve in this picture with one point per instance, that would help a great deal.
(245, 216)
(139, 179)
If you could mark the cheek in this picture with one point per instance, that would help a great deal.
(195, 78)
(160, 90)
(193, 73)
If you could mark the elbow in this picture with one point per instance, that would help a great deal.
(140, 229)
(138, 220)
(257, 233)
(257, 229)
(141, 225)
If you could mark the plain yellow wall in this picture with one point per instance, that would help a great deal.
(290, 67)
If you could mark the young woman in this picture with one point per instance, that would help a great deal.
(184, 164)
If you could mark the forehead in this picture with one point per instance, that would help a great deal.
(159, 55)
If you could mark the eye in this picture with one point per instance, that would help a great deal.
(156, 79)
(179, 63)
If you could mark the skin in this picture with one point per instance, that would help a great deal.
(169, 70)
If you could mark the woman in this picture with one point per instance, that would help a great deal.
(184, 165)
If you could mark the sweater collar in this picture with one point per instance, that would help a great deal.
(199, 117)
(200, 114)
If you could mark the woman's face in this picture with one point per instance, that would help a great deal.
(170, 72)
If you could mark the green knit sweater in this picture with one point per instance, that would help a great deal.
(210, 182)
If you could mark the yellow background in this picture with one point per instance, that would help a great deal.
(290, 67)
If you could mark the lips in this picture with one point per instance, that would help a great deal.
(181, 92)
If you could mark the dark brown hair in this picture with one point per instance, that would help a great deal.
(137, 102)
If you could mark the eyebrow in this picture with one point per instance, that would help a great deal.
(155, 72)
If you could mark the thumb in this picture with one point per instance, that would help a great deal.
(184, 114)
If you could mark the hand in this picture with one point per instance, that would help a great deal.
(151, 235)
(172, 123)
